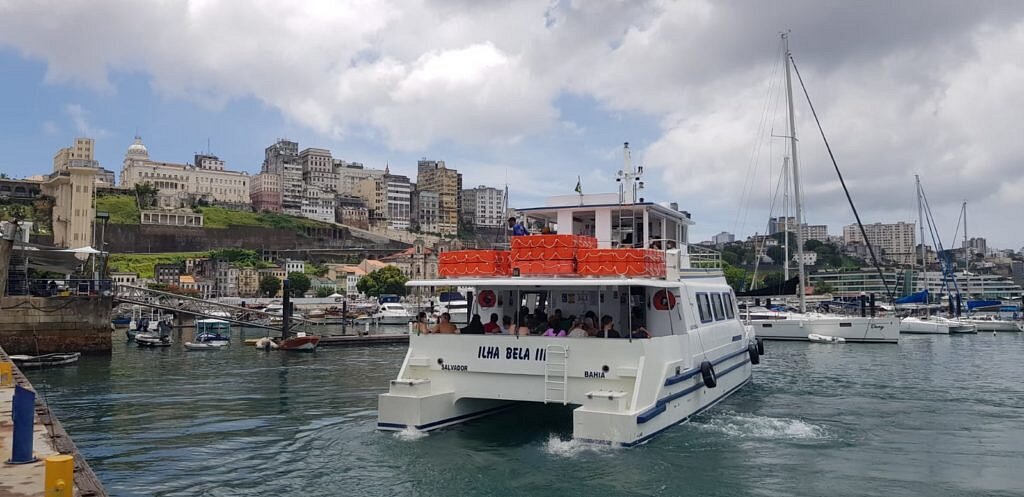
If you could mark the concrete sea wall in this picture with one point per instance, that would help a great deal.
(43, 325)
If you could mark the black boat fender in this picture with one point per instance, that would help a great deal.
(754, 357)
(760, 346)
(707, 373)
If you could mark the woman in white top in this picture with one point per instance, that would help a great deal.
(580, 328)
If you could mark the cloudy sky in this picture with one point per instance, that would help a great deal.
(536, 93)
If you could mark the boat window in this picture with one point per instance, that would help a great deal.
(730, 311)
(704, 307)
(845, 325)
(716, 300)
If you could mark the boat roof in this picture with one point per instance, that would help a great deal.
(211, 321)
(553, 282)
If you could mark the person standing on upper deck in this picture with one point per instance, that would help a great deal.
(517, 228)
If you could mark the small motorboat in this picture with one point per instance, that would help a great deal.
(45, 360)
(299, 342)
(814, 337)
(158, 335)
(213, 330)
(215, 345)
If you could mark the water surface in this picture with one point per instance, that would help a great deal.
(934, 415)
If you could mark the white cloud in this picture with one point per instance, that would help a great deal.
(50, 128)
(80, 120)
(901, 87)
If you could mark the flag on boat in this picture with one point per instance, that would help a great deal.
(579, 186)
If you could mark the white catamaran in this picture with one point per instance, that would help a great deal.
(683, 346)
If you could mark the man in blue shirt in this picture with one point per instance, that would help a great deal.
(517, 228)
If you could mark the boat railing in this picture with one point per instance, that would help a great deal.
(704, 258)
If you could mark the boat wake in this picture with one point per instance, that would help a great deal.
(410, 435)
(556, 446)
(763, 427)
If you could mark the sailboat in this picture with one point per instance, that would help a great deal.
(928, 324)
(814, 326)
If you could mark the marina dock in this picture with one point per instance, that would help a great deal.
(49, 439)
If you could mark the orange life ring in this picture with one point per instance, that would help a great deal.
(664, 300)
(487, 298)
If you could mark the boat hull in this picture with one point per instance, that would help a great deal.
(46, 360)
(393, 319)
(995, 325)
(923, 327)
(850, 329)
(305, 344)
(213, 345)
(627, 391)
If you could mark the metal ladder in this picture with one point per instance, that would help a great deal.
(556, 374)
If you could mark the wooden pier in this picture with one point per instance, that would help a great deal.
(49, 439)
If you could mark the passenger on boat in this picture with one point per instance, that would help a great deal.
(525, 327)
(608, 328)
(507, 328)
(492, 326)
(517, 228)
(420, 325)
(444, 325)
(581, 328)
(554, 328)
(563, 322)
(640, 332)
(475, 326)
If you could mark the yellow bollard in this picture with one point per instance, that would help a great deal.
(6, 374)
(60, 476)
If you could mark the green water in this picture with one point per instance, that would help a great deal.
(932, 416)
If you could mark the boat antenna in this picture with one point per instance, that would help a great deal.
(802, 291)
(849, 199)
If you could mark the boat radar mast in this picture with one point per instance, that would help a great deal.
(632, 176)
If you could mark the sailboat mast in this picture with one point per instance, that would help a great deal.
(920, 225)
(967, 260)
(796, 181)
(785, 215)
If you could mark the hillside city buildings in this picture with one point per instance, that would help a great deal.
(313, 183)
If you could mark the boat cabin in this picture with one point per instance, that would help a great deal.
(613, 223)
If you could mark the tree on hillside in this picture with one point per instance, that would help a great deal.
(323, 292)
(736, 277)
(388, 279)
(269, 285)
(145, 194)
(299, 283)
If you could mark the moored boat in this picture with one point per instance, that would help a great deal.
(45, 360)
(927, 325)
(392, 313)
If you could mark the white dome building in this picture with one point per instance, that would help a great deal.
(137, 150)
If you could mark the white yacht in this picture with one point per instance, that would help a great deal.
(928, 325)
(993, 323)
(392, 313)
(695, 353)
(781, 325)
(455, 304)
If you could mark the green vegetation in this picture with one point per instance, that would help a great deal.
(122, 208)
(388, 279)
(269, 285)
(219, 217)
(240, 257)
(298, 283)
(146, 194)
(317, 269)
(143, 263)
(323, 292)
